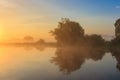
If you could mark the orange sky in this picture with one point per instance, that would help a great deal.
(19, 18)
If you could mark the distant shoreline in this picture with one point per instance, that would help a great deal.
(51, 44)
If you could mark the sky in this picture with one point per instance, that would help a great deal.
(19, 18)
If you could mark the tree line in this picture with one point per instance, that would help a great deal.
(69, 33)
(75, 47)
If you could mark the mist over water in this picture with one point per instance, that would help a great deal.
(66, 63)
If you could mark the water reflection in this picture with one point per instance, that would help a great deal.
(116, 53)
(71, 59)
(61, 63)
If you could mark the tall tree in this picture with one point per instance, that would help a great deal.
(117, 28)
(68, 32)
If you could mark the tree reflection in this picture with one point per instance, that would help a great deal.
(116, 53)
(71, 59)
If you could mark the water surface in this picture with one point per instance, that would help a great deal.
(27, 63)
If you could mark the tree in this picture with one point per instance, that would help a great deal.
(117, 28)
(28, 38)
(68, 32)
(116, 40)
(95, 40)
(41, 41)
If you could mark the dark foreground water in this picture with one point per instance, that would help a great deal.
(26, 63)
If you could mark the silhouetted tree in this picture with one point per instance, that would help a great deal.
(95, 40)
(28, 38)
(117, 28)
(41, 41)
(115, 43)
(68, 32)
(116, 40)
